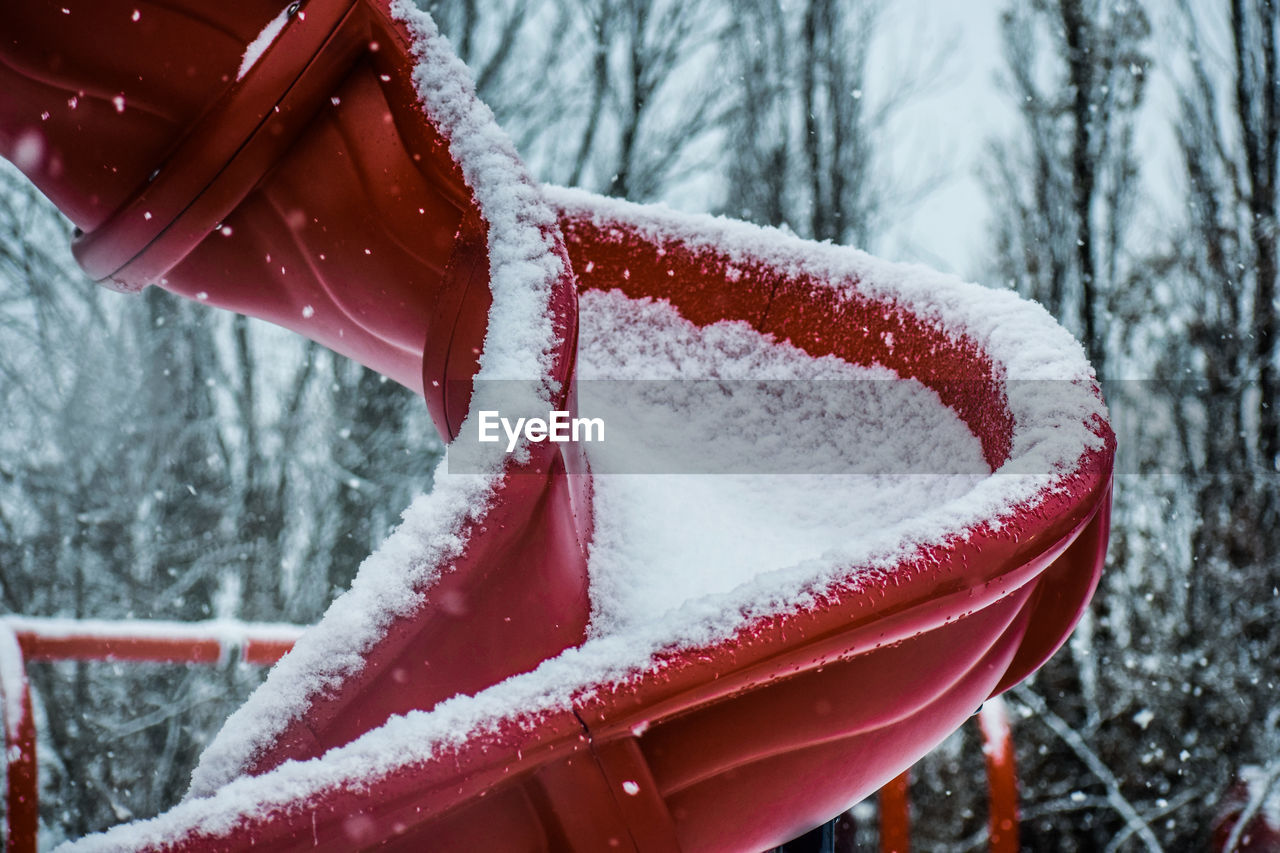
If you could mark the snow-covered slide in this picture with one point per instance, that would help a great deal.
(733, 718)
(757, 649)
(327, 167)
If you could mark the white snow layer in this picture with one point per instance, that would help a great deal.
(259, 45)
(524, 264)
(1051, 434)
(519, 344)
(665, 539)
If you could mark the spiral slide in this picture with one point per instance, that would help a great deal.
(541, 658)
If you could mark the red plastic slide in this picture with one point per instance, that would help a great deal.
(326, 166)
(309, 189)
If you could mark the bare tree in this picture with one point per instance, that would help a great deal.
(1225, 266)
(1069, 184)
(1067, 188)
(806, 125)
(1180, 635)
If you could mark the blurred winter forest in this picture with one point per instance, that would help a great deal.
(158, 460)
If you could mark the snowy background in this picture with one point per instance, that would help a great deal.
(1116, 161)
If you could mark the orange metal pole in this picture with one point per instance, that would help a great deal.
(21, 796)
(895, 815)
(1002, 776)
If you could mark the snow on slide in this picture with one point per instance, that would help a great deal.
(259, 45)
(519, 344)
(679, 560)
(666, 539)
(773, 541)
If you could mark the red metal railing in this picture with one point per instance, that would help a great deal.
(23, 640)
(21, 806)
